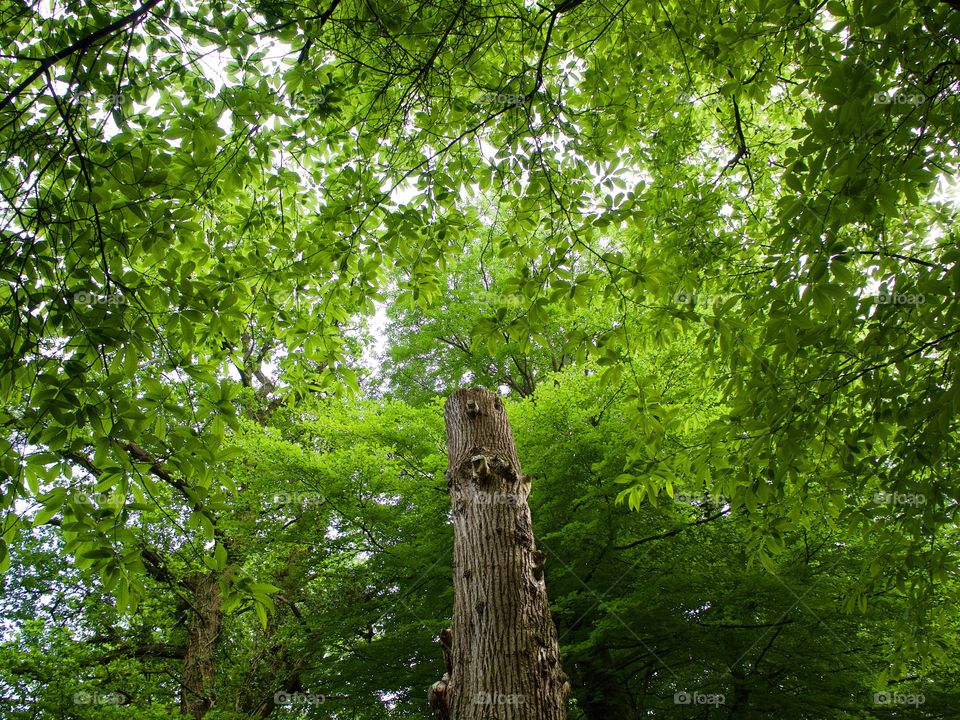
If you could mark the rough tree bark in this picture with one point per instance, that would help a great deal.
(501, 653)
(203, 635)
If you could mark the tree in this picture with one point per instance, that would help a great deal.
(502, 647)
(155, 213)
(758, 197)
(650, 604)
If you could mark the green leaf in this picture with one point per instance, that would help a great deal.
(51, 506)
(261, 612)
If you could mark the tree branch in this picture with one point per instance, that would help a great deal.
(671, 533)
(80, 45)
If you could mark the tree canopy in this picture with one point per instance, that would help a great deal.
(707, 251)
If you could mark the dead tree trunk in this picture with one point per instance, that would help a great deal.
(502, 655)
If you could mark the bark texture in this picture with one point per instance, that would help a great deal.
(501, 653)
(203, 635)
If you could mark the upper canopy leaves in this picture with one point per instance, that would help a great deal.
(188, 189)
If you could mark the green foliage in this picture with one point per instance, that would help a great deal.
(709, 250)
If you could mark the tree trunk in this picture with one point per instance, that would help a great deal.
(203, 635)
(502, 655)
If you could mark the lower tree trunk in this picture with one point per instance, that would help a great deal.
(203, 634)
(502, 655)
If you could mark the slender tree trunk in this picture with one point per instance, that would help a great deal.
(203, 634)
(502, 655)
